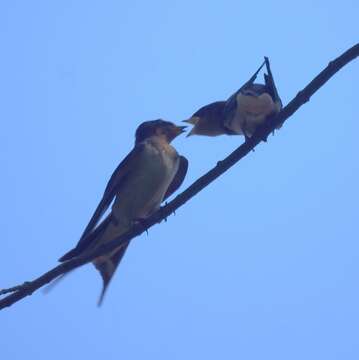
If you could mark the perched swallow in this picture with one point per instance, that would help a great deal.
(242, 113)
(149, 174)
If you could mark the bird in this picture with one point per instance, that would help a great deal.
(147, 176)
(242, 112)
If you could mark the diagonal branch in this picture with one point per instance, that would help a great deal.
(303, 96)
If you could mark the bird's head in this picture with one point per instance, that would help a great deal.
(161, 128)
(208, 120)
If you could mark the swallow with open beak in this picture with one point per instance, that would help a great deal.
(147, 176)
(242, 113)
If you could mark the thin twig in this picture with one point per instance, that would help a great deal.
(222, 166)
(13, 289)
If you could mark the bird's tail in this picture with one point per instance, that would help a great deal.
(107, 267)
(106, 264)
(269, 81)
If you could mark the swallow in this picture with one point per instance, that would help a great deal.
(147, 176)
(242, 112)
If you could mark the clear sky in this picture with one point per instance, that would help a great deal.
(263, 264)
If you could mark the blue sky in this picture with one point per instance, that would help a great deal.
(263, 264)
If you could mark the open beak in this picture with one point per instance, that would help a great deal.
(192, 120)
(179, 130)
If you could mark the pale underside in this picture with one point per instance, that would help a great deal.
(143, 193)
(252, 111)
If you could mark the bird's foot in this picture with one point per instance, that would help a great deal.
(264, 138)
(161, 210)
(246, 140)
(141, 222)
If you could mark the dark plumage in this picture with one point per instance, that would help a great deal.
(241, 113)
(150, 173)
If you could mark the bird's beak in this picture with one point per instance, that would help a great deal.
(179, 130)
(192, 120)
(192, 132)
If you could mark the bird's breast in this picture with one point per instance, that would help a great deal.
(145, 188)
(261, 105)
(251, 111)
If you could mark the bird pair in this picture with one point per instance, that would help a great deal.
(154, 170)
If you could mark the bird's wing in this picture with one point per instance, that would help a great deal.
(270, 84)
(117, 179)
(179, 177)
(231, 104)
(230, 108)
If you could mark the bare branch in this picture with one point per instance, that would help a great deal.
(303, 96)
(13, 289)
